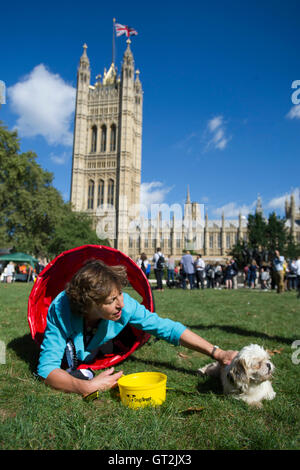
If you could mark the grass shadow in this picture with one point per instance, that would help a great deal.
(209, 385)
(243, 332)
(161, 364)
(27, 350)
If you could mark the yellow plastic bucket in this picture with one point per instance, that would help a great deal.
(143, 389)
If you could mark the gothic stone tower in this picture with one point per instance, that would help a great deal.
(106, 166)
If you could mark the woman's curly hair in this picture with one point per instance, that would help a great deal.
(93, 283)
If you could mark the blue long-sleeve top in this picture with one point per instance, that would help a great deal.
(63, 325)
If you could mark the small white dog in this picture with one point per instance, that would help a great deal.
(248, 377)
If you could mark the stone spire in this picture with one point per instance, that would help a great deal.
(287, 208)
(84, 73)
(292, 204)
(84, 58)
(258, 209)
(128, 56)
(110, 77)
(138, 85)
(188, 198)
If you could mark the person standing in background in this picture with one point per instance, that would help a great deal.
(170, 268)
(159, 262)
(187, 264)
(278, 263)
(9, 271)
(297, 264)
(200, 271)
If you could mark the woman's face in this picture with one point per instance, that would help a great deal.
(111, 309)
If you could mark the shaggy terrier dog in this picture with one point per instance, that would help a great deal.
(248, 377)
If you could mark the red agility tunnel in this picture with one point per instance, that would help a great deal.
(53, 280)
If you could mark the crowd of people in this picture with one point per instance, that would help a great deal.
(12, 272)
(193, 272)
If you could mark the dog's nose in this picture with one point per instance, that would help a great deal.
(269, 366)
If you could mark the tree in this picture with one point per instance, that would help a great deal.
(276, 233)
(292, 249)
(257, 230)
(33, 216)
(74, 229)
(239, 253)
(264, 237)
(26, 197)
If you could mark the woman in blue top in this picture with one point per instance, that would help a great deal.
(252, 274)
(89, 314)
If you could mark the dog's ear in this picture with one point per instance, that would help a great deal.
(238, 375)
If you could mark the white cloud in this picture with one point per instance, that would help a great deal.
(45, 104)
(153, 193)
(59, 159)
(294, 112)
(278, 203)
(216, 132)
(214, 123)
(232, 210)
(214, 136)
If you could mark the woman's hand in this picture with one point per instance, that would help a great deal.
(224, 357)
(105, 381)
(61, 380)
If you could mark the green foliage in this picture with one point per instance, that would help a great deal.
(265, 236)
(238, 252)
(73, 229)
(276, 233)
(291, 249)
(33, 216)
(257, 230)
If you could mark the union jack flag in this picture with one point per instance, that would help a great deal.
(122, 29)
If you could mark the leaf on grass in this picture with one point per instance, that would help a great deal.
(193, 410)
(183, 356)
(274, 351)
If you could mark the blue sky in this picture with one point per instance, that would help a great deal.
(217, 79)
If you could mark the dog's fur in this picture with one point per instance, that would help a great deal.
(248, 377)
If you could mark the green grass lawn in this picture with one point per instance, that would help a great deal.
(194, 416)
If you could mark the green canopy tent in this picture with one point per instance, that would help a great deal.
(19, 258)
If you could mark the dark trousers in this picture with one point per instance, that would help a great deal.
(292, 282)
(210, 282)
(191, 280)
(200, 278)
(158, 275)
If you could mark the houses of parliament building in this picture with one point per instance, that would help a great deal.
(106, 174)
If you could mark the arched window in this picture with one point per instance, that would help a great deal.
(110, 192)
(100, 198)
(94, 139)
(91, 194)
(103, 138)
(113, 137)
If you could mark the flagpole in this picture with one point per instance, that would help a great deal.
(113, 42)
